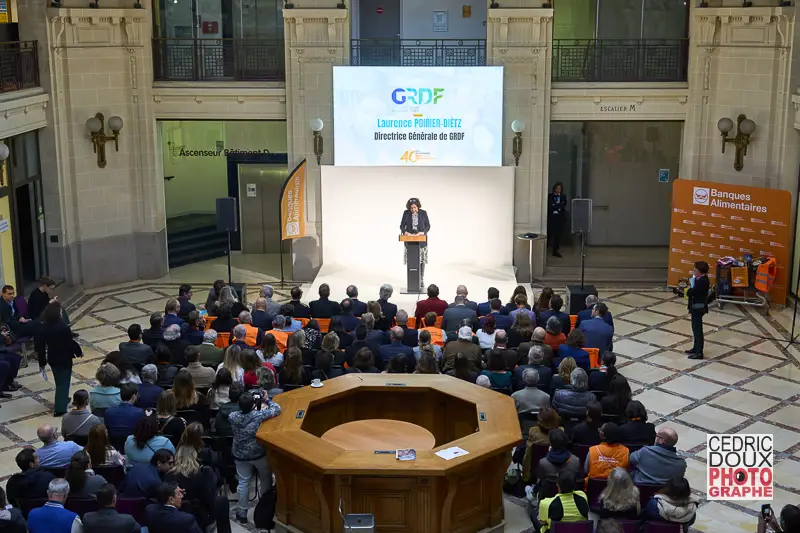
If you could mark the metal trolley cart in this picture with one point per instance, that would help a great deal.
(733, 288)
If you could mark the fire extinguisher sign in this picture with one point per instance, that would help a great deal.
(740, 467)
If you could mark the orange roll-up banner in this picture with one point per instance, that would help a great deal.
(293, 204)
(713, 220)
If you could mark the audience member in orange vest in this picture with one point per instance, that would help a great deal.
(554, 337)
(281, 337)
(607, 455)
(252, 337)
(438, 336)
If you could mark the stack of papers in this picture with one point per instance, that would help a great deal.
(452, 453)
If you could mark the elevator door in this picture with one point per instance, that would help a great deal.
(259, 206)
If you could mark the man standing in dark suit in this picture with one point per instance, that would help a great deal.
(486, 307)
(432, 304)
(389, 310)
(597, 331)
(396, 347)
(324, 308)
(184, 297)
(455, 316)
(359, 307)
(586, 314)
(349, 321)
(461, 290)
(301, 310)
(411, 335)
(501, 321)
(106, 518)
(166, 516)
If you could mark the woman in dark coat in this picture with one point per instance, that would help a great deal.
(415, 222)
(54, 345)
(556, 216)
(697, 294)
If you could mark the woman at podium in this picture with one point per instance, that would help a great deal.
(415, 222)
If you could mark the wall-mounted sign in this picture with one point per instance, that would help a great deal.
(3, 225)
(3, 11)
(379, 11)
(440, 20)
(182, 151)
(663, 175)
(251, 190)
(620, 108)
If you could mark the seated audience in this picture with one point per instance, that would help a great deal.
(192, 333)
(543, 302)
(597, 331)
(511, 357)
(277, 331)
(438, 336)
(535, 362)
(559, 459)
(345, 337)
(396, 347)
(788, 522)
(175, 344)
(272, 307)
(427, 362)
(250, 363)
(511, 306)
(586, 314)
(148, 390)
(410, 335)
(11, 519)
(620, 498)
(375, 337)
(424, 339)
(312, 333)
(571, 401)
(106, 394)
(268, 352)
(106, 519)
(363, 363)
(146, 440)
(546, 421)
(324, 307)
(499, 377)
(210, 355)
(674, 503)
(184, 299)
(461, 290)
(134, 351)
(203, 376)
(121, 419)
(225, 320)
(186, 396)
(228, 296)
(52, 517)
(100, 450)
(657, 464)
(464, 345)
(127, 372)
(143, 479)
(155, 333)
(556, 303)
(199, 483)
(457, 315)
(233, 363)
(347, 317)
(573, 347)
(521, 302)
(521, 331)
(483, 381)
(384, 293)
(248, 453)
(569, 505)
(166, 515)
(293, 372)
(563, 376)
(637, 430)
(606, 456)
(554, 338)
(262, 318)
(31, 481)
(221, 424)
(266, 383)
(166, 370)
(485, 308)
(324, 365)
(462, 369)
(587, 432)
(330, 344)
(169, 423)
(531, 398)
(618, 397)
(219, 392)
(396, 365)
(252, 335)
(298, 340)
(600, 378)
(432, 304)
(213, 295)
(83, 483)
(537, 339)
(171, 311)
(359, 341)
(54, 453)
(79, 421)
(502, 321)
(301, 310)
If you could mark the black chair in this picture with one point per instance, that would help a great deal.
(118, 442)
(580, 451)
(223, 445)
(594, 486)
(633, 447)
(132, 506)
(502, 390)
(191, 415)
(538, 452)
(80, 440)
(202, 391)
(527, 421)
(114, 474)
(27, 505)
(646, 492)
(587, 526)
(629, 526)
(57, 472)
(81, 506)
(99, 412)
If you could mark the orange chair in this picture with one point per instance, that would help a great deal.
(438, 321)
(573, 321)
(594, 357)
(324, 324)
(223, 340)
(303, 321)
(209, 320)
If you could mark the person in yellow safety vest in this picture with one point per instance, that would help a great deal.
(252, 335)
(765, 274)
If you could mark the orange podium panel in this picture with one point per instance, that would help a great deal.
(413, 238)
(338, 442)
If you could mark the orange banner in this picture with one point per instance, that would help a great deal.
(293, 204)
(713, 220)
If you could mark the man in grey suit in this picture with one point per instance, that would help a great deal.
(273, 307)
(454, 316)
(461, 290)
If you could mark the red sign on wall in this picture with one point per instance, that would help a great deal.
(379, 11)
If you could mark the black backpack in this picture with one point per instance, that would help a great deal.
(264, 514)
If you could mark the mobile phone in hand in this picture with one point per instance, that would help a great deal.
(766, 511)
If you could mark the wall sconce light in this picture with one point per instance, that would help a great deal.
(316, 125)
(96, 127)
(517, 126)
(4, 152)
(744, 129)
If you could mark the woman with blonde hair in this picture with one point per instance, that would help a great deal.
(620, 498)
(199, 483)
(382, 323)
(521, 331)
(565, 368)
(233, 362)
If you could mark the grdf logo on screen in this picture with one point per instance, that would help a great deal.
(417, 96)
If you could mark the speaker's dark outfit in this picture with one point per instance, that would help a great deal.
(556, 217)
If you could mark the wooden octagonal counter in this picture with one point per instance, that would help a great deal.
(315, 471)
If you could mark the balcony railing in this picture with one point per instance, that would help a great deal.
(19, 66)
(218, 59)
(620, 60)
(418, 52)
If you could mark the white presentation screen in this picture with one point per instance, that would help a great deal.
(418, 116)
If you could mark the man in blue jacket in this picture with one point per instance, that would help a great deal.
(597, 331)
(396, 347)
(121, 419)
(52, 517)
(486, 307)
(347, 316)
(586, 314)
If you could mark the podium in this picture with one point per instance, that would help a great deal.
(412, 262)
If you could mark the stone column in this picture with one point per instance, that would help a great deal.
(104, 225)
(520, 39)
(316, 40)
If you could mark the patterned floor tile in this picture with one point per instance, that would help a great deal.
(788, 371)
(659, 337)
(744, 402)
(773, 387)
(688, 437)
(20, 408)
(723, 373)
(633, 349)
(790, 473)
(623, 327)
(647, 318)
(730, 338)
(788, 416)
(670, 308)
(141, 296)
(692, 387)
(751, 360)
(117, 314)
(644, 373)
(768, 348)
(708, 417)
(662, 403)
(635, 300)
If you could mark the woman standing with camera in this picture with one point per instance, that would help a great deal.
(697, 294)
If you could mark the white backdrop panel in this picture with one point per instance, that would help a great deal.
(471, 210)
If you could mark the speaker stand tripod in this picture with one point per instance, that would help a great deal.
(228, 253)
(583, 257)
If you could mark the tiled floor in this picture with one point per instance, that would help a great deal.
(749, 381)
